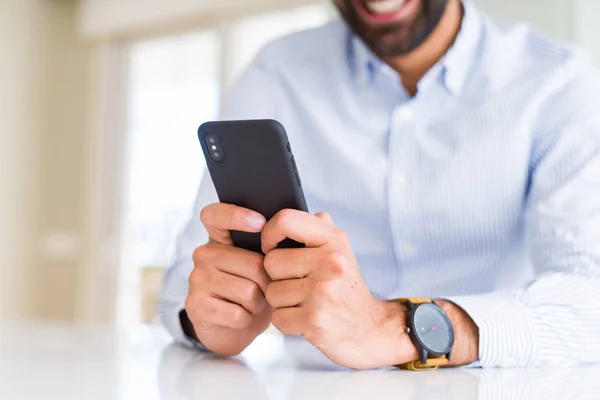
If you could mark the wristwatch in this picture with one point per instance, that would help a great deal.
(430, 331)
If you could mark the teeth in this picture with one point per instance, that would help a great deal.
(384, 6)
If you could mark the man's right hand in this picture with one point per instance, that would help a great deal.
(226, 302)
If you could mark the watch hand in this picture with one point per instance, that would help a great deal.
(434, 327)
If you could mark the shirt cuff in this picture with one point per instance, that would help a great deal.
(173, 324)
(506, 332)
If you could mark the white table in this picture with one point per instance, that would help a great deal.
(53, 361)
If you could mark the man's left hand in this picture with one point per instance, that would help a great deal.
(319, 293)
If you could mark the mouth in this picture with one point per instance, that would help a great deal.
(376, 12)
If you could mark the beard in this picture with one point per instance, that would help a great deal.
(396, 39)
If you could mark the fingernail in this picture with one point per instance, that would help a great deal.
(256, 221)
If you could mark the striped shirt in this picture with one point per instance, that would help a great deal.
(483, 189)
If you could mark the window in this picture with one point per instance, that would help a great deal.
(174, 87)
(249, 35)
(175, 84)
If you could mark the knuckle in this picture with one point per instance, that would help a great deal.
(249, 292)
(200, 255)
(316, 320)
(196, 277)
(284, 215)
(195, 304)
(253, 261)
(326, 290)
(324, 215)
(271, 293)
(190, 304)
(206, 214)
(277, 318)
(280, 320)
(269, 261)
(340, 237)
(335, 263)
(238, 317)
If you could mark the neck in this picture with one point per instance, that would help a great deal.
(414, 65)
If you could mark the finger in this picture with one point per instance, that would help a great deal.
(235, 261)
(219, 312)
(325, 217)
(281, 264)
(289, 293)
(289, 321)
(318, 263)
(296, 225)
(237, 290)
(219, 219)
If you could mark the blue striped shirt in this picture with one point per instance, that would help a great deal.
(483, 189)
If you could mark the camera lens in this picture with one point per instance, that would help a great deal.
(214, 148)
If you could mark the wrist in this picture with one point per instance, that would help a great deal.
(394, 342)
(466, 334)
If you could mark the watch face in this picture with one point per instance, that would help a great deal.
(433, 328)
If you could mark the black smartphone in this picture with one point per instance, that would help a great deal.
(252, 165)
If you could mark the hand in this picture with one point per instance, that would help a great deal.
(226, 302)
(319, 293)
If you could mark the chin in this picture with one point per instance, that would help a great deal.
(393, 45)
(397, 39)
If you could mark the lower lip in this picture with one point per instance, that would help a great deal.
(379, 19)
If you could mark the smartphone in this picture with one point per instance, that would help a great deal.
(252, 165)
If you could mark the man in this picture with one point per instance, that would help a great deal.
(457, 160)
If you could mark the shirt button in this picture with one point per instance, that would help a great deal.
(405, 115)
(401, 179)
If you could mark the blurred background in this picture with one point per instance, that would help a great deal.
(99, 105)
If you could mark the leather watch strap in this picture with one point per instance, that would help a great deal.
(431, 364)
(415, 300)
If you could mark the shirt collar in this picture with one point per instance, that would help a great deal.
(457, 63)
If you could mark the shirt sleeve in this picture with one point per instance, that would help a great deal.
(252, 97)
(555, 320)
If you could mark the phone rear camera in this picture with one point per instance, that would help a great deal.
(213, 145)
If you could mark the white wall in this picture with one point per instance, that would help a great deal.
(23, 32)
(42, 97)
(586, 28)
(553, 17)
(571, 20)
(110, 17)
(63, 168)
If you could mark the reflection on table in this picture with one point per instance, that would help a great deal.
(40, 360)
(298, 371)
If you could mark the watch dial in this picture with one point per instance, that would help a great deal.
(433, 328)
